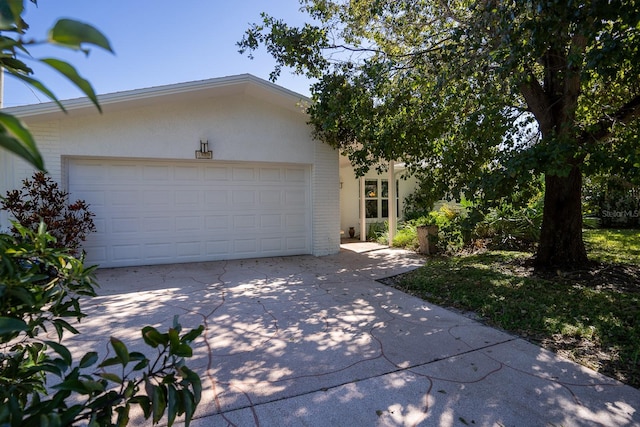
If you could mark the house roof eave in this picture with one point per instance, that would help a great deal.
(215, 87)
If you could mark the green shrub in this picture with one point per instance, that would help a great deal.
(406, 237)
(40, 384)
(378, 232)
(512, 228)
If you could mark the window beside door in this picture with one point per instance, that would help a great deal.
(376, 192)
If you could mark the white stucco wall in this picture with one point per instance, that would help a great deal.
(238, 127)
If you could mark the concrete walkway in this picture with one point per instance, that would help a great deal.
(306, 341)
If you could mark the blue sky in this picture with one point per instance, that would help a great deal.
(156, 42)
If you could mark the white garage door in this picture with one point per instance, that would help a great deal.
(157, 212)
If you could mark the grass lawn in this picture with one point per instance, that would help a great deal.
(592, 317)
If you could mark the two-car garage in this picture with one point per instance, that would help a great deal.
(151, 212)
(264, 188)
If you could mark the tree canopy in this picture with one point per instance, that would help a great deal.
(482, 96)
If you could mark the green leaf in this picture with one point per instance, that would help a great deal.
(189, 406)
(141, 365)
(61, 350)
(176, 323)
(88, 359)
(109, 362)
(123, 415)
(182, 350)
(173, 406)
(9, 325)
(174, 340)
(22, 294)
(158, 403)
(193, 334)
(110, 377)
(145, 404)
(74, 385)
(71, 73)
(15, 407)
(74, 34)
(70, 414)
(91, 385)
(15, 137)
(154, 338)
(10, 14)
(61, 325)
(51, 368)
(194, 379)
(136, 355)
(121, 350)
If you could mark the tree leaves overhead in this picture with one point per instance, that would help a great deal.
(66, 33)
(463, 85)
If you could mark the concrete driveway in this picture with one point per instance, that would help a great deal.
(306, 341)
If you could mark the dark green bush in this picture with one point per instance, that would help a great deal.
(40, 290)
(512, 228)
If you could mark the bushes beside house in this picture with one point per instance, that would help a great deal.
(42, 281)
(502, 227)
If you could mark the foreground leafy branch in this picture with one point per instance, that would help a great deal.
(14, 45)
(41, 287)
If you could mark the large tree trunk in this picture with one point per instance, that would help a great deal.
(561, 245)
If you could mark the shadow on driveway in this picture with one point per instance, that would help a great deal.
(317, 341)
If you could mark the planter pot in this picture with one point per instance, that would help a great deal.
(427, 237)
(352, 232)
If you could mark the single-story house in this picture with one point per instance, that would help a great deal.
(224, 168)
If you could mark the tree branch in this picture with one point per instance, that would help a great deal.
(604, 129)
(538, 102)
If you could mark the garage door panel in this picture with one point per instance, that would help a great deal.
(189, 248)
(270, 198)
(295, 175)
(160, 251)
(243, 199)
(243, 223)
(123, 199)
(294, 197)
(125, 253)
(124, 225)
(295, 244)
(187, 173)
(243, 174)
(217, 248)
(188, 223)
(161, 173)
(270, 175)
(272, 222)
(155, 197)
(121, 173)
(217, 223)
(186, 198)
(216, 173)
(216, 199)
(167, 211)
(158, 224)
